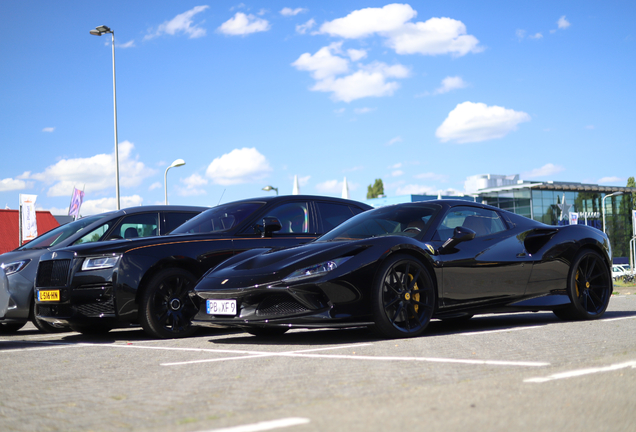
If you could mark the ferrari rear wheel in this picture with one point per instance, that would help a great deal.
(266, 331)
(589, 288)
(403, 298)
(166, 310)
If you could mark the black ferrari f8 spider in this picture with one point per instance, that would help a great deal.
(395, 268)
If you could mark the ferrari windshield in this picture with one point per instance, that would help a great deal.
(220, 218)
(406, 220)
(61, 233)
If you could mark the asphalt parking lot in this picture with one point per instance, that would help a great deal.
(522, 372)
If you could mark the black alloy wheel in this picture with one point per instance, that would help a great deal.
(403, 298)
(166, 309)
(589, 288)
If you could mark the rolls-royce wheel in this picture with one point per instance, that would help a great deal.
(166, 309)
(403, 298)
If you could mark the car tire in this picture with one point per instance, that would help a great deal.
(166, 309)
(589, 288)
(11, 327)
(266, 331)
(403, 298)
(45, 326)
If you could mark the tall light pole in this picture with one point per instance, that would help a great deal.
(177, 163)
(98, 31)
(603, 205)
(270, 188)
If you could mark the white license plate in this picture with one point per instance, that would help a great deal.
(220, 307)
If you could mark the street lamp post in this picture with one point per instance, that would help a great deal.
(603, 205)
(270, 188)
(177, 163)
(98, 31)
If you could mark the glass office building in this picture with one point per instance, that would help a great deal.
(553, 202)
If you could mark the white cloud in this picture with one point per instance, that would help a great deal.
(364, 110)
(397, 139)
(563, 23)
(395, 166)
(292, 12)
(48, 129)
(193, 185)
(415, 189)
(155, 185)
(474, 122)
(611, 180)
(302, 181)
(239, 166)
(10, 184)
(433, 37)
(397, 173)
(365, 22)
(96, 173)
(520, 34)
(90, 207)
(334, 186)
(355, 54)
(536, 36)
(369, 81)
(450, 83)
(323, 64)
(545, 171)
(589, 127)
(242, 24)
(131, 43)
(182, 23)
(304, 28)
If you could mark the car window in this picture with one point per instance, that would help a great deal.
(482, 221)
(219, 218)
(293, 217)
(59, 234)
(175, 219)
(333, 215)
(402, 220)
(94, 235)
(136, 225)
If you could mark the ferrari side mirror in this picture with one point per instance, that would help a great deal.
(270, 225)
(460, 234)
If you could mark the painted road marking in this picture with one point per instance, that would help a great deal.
(581, 372)
(265, 425)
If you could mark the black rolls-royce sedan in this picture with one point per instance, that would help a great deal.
(96, 287)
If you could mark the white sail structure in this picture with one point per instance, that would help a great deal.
(296, 189)
(345, 189)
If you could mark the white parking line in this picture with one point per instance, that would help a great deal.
(266, 425)
(582, 372)
(500, 330)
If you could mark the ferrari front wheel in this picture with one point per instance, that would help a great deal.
(589, 288)
(403, 298)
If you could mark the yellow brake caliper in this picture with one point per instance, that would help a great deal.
(415, 296)
(576, 284)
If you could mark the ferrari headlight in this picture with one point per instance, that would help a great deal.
(100, 262)
(14, 267)
(316, 270)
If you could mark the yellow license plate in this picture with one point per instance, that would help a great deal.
(49, 295)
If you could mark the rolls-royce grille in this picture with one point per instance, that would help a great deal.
(53, 273)
(279, 305)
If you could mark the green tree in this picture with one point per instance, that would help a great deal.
(632, 184)
(375, 190)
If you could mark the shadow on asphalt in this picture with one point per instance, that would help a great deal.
(435, 329)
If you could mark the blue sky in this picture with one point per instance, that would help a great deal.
(420, 94)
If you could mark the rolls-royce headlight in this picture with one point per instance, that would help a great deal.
(14, 267)
(100, 262)
(316, 270)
